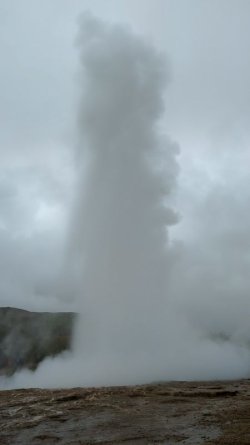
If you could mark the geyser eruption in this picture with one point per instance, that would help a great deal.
(131, 328)
(136, 290)
(121, 231)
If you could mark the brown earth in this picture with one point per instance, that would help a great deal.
(194, 413)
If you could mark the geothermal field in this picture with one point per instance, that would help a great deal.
(124, 222)
(211, 413)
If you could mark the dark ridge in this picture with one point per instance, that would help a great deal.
(27, 338)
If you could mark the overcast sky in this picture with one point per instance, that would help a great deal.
(207, 113)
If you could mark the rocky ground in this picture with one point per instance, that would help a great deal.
(170, 413)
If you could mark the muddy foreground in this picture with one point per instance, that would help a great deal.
(169, 413)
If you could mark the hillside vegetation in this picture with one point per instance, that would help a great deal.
(26, 338)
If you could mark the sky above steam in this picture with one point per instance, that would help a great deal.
(207, 112)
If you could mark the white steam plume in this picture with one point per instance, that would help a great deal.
(122, 218)
(133, 284)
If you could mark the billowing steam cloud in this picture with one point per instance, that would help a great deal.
(123, 218)
(135, 284)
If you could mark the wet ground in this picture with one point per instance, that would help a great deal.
(171, 413)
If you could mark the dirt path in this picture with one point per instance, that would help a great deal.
(170, 413)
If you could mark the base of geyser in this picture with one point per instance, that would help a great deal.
(206, 361)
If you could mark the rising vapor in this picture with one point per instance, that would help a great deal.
(133, 282)
(122, 220)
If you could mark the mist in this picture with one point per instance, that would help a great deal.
(155, 304)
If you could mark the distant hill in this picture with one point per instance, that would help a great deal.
(26, 338)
